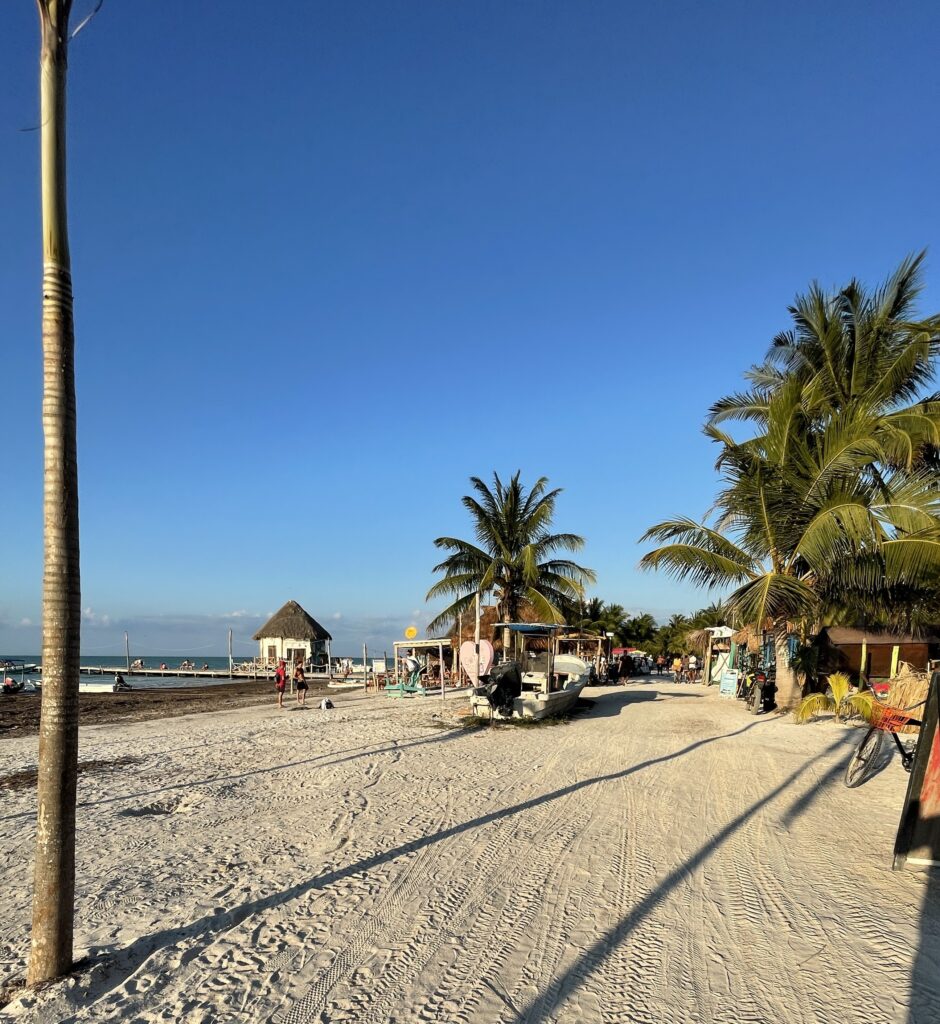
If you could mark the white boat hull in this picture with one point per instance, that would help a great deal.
(102, 687)
(532, 705)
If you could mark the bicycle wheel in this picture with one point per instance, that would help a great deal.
(864, 761)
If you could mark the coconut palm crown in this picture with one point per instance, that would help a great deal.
(853, 351)
(834, 502)
(515, 555)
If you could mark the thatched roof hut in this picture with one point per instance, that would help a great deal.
(292, 622)
(294, 635)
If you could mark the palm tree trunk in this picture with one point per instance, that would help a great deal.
(789, 686)
(54, 893)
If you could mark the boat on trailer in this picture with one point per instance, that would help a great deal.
(534, 683)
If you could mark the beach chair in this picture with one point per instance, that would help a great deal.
(394, 688)
(414, 684)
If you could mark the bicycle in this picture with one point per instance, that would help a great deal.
(884, 719)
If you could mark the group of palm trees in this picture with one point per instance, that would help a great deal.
(514, 561)
(675, 636)
(828, 510)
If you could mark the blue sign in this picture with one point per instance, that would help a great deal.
(729, 683)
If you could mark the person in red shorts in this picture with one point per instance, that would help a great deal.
(280, 682)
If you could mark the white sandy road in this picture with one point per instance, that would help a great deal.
(664, 858)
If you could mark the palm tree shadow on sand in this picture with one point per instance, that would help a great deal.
(592, 959)
(112, 966)
(925, 975)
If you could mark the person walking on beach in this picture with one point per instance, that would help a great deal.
(280, 682)
(677, 668)
(693, 669)
(660, 664)
(300, 682)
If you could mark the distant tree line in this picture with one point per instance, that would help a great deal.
(675, 636)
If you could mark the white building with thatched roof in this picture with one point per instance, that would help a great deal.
(294, 635)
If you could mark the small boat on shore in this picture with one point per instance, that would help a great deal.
(117, 685)
(536, 684)
(13, 678)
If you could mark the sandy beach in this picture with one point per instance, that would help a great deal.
(662, 857)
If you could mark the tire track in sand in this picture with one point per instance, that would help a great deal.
(353, 1002)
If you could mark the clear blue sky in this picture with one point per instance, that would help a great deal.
(331, 259)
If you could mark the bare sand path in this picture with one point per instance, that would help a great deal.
(662, 858)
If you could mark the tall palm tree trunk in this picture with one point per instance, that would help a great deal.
(53, 899)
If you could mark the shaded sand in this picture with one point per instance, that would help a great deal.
(662, 858)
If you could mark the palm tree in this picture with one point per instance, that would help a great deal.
(833, 504)
(515, 555)
(54, 896)
(714, 615)
(638, 629)
(803, 517)
(853, 351)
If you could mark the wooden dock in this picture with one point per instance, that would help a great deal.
(189, 673)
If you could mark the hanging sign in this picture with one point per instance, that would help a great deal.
(411, 632)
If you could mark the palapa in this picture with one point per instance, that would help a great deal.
(292, 623)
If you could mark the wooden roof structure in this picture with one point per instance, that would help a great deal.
(841, 635)
(292, 623)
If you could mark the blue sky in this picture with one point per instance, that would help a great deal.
(331, 259)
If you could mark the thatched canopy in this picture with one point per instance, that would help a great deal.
(292, 623)
(697, 639)
(748, 637)
(489, 617)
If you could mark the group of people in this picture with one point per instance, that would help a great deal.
(300, 683)
(685, 668)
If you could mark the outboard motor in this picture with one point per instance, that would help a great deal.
(502, 686)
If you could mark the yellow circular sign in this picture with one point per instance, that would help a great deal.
(411, 632)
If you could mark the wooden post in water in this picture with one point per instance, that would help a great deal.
(365, 667)
(127, 653)
(231, 663)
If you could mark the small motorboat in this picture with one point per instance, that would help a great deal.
(118, 685)
(534, 685)
(13, 673)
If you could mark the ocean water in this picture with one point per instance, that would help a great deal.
(119, 664)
